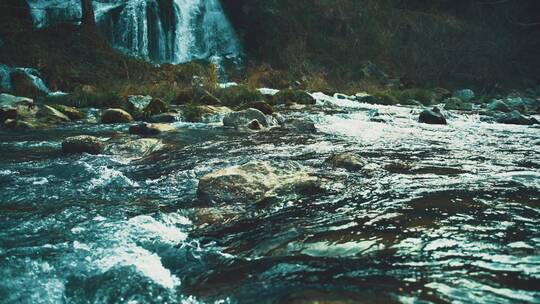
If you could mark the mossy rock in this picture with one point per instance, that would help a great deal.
(261, 106)
(71, 112)
(290, 96)
(155, 107)
(455, 103)
(82, 144)
(237, 96)
(111, 116)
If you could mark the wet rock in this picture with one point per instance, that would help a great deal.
(112, 116)
(433, 117)
(261, 106)
(49, 114)
(253, 182)
(71, 112)
(23, 85)
(18, 125)
(132, 147)
(400, 167)
(290, 96)
(499, 106)
(347, 161)
(164, 118)
(82, 144)
(148, 129)
(7, 113)
(457, 104)
(465, 95)
(241, 119)
(7, 100)
(516, 118)
(155, 107)
(299, 125)
(255, 125)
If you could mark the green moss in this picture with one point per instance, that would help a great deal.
(236, 96)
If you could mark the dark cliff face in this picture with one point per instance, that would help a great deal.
(429, 42)
(14, 16)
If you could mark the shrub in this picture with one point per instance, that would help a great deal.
(192, 113)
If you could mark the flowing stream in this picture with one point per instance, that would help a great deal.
(442, 214)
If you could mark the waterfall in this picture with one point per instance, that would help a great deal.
(172, 31)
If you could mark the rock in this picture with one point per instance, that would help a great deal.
(441, 93)
(255, 125)
(164, 118)
(465, 95)
(433, 117)
(112, 116)
(183, 97)
(517, 104)
(132, 147)
(7, 113)
(71, 112)
(299, 125)
(411, 102)
(155, 107)
(499, 105)
(370, 71)
(208, 99)
(82, 144)
(261, 106)
(253, 182)
(348, 161)
(241, 119)
(18, 125)
(147, 129)
(290, 96)
(7, 100)
(515, 118)
(138, 102)
(49, 114)
(23, 85)
(455, 103)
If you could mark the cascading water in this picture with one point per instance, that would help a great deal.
(172, 31)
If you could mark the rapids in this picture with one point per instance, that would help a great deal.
(441, 214)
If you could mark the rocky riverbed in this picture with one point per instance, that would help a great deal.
(330, 201)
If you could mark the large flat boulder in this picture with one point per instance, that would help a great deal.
(254, 182)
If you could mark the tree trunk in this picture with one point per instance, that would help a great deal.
(88, 18)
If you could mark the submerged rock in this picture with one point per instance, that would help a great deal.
(242, 119)
(347, 161)
(82, 144)
(132, 147)
(164, 118)
(112, 116)
(433, 117)
(299, 125)
(150, 129)
(253, 182)
(516, 118)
